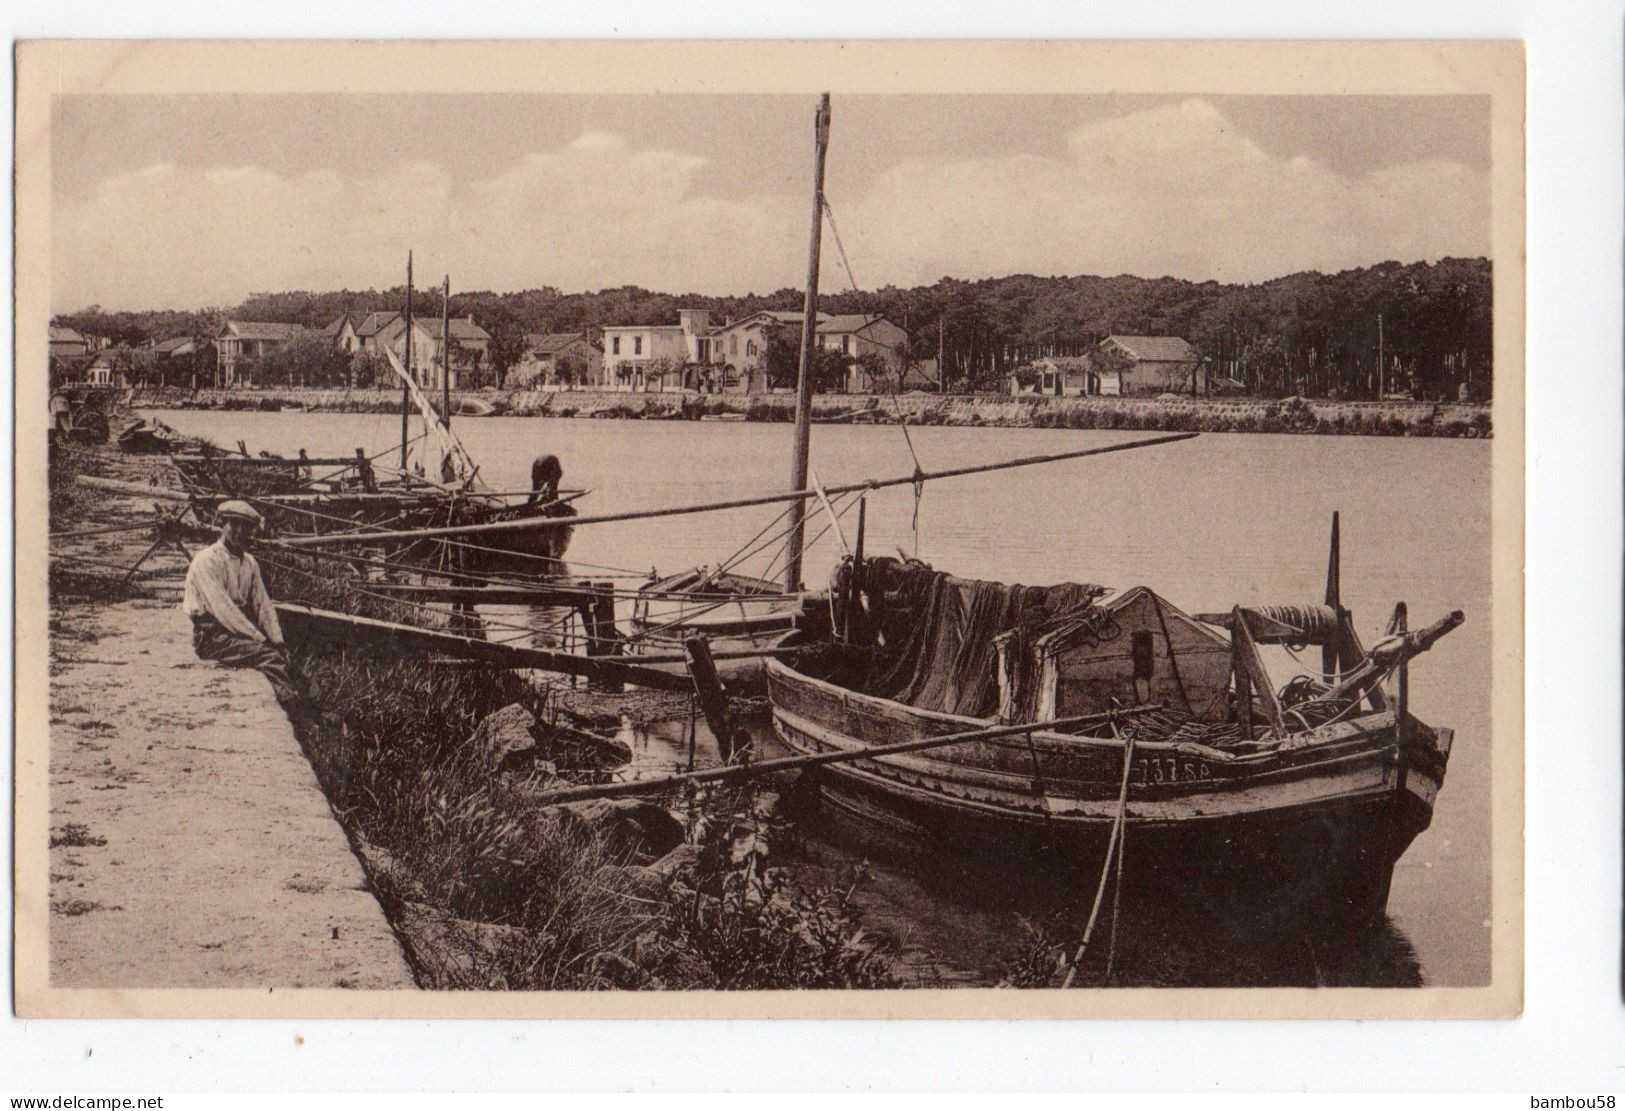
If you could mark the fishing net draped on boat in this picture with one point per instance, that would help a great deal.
(934, 633)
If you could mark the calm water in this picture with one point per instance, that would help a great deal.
(1212, 522)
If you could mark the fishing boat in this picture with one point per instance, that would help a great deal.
(433, 485)
(714, 603)
(1312, 790)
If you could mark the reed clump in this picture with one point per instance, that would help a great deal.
(493, 888)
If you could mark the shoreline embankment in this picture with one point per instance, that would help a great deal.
(1311, 416)
(396, 830)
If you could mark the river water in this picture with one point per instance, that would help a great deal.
(1209, 523)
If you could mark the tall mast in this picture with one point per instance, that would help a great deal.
(445, 354)
(406, 393)
(809, 331)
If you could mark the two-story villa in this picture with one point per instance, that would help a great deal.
(241, 342)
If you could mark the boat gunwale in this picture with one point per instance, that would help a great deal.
(1360, 728)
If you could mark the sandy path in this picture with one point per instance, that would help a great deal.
(191, 844)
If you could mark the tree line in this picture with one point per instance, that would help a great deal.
(1424, 329)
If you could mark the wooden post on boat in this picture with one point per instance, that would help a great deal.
(445, 354)
(854, 581)
(363, 470)
(1242, 680)
(602, 638)
(1330, 661)
(1401, 627)
(712, 697)
(406, 392)
(804, 375)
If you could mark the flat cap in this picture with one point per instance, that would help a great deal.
(240, 510)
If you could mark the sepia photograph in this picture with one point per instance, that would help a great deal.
(743, 529)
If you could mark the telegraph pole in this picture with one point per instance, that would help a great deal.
(804, 377)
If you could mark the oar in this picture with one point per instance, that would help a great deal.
(817, 759)
(736, 503)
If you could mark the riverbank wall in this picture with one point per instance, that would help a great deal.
(191, 845)
(1230, 414)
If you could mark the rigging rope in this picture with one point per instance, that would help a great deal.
(897, 402)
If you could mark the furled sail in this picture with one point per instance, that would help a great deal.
(438, 436)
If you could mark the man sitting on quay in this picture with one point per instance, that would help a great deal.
(233, 620)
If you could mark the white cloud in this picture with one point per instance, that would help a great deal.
(1171, 190)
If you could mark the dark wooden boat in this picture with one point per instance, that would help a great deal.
(307, 496)
(1313, 792)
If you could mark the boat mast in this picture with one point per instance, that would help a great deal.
(406, 393)
(445, 354)
(804, 377)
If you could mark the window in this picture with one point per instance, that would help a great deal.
(615, 346)
(637, 345)
(733, 344)
(750, 347)
(846, 345)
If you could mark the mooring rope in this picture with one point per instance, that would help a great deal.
(1106, 865)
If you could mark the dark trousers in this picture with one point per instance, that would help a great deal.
(212, 641)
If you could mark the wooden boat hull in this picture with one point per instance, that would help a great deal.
(719, 606)
(1318, 824)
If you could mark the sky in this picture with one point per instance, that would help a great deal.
(195, 201)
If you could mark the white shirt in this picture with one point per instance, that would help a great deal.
(229, 589)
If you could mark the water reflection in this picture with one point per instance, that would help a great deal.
(961, 919)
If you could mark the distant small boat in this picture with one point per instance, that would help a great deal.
(473, 407)
(730, 418)
(140, 438)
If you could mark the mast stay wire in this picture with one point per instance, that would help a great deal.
(897, 403)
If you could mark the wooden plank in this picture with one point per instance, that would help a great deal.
(261, 461)
(713, 699)
(326, 624)
(515, 595)
(1256, 673)
(134, 489)
(602, 637)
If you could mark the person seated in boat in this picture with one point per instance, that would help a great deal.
(233, 620)
(546, 472)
